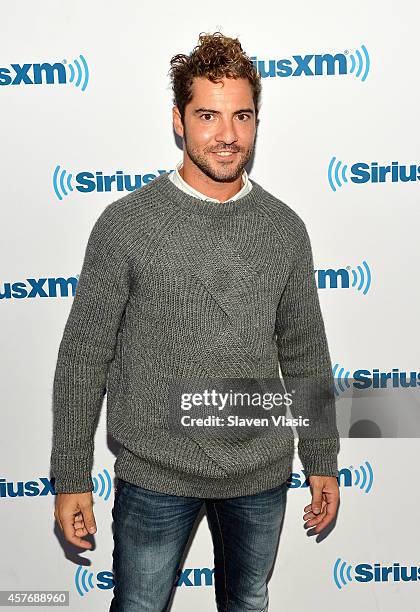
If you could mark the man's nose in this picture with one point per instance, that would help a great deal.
(226, 132)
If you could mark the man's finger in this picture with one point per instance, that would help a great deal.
(71, 537)
(81, 531)
(316, 503)
(89, 518)
(331, 511)
(79, 524)
(316, 519)
(310, 514)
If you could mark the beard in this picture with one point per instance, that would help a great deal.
(224, 172)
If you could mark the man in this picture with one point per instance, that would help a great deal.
(201, 274)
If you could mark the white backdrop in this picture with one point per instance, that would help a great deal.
(106, 108)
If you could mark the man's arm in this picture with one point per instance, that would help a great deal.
(305, 364)
(86, 349)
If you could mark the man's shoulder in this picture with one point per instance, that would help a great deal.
(281, 215)
(134, 218)
(144, 196)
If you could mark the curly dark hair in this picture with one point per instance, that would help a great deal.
(214, 57)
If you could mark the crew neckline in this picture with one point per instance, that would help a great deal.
(207, 207)
(180, 182)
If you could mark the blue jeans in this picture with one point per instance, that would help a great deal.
(151, 530)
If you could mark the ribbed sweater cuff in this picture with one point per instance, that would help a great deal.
(72, 474)
(319, 457)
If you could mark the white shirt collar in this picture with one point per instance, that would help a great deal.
(177, 179)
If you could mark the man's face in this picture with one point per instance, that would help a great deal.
(219, 127)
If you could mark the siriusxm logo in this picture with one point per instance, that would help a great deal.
(102, 486)
(31, 488)
(343, 573)
(193, 577)
(86, 181)
(59, 73)
(85, 580)
(358, 277)
(39, 287)
(357, 64)
(375, 379)
(361, 172)
(361, 477)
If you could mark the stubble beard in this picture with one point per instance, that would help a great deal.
(226, 173)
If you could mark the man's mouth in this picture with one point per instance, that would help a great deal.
(225, 154)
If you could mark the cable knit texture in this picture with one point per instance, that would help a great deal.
(177, 287)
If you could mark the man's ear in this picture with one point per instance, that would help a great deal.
(177, 121)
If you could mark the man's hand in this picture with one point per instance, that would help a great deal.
(325, 498)
(74, 514)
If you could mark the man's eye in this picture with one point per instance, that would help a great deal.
(206, 115)
(244, 117)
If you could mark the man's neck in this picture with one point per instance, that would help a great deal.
(204, 184)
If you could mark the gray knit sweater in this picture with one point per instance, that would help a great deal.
(176, 287)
